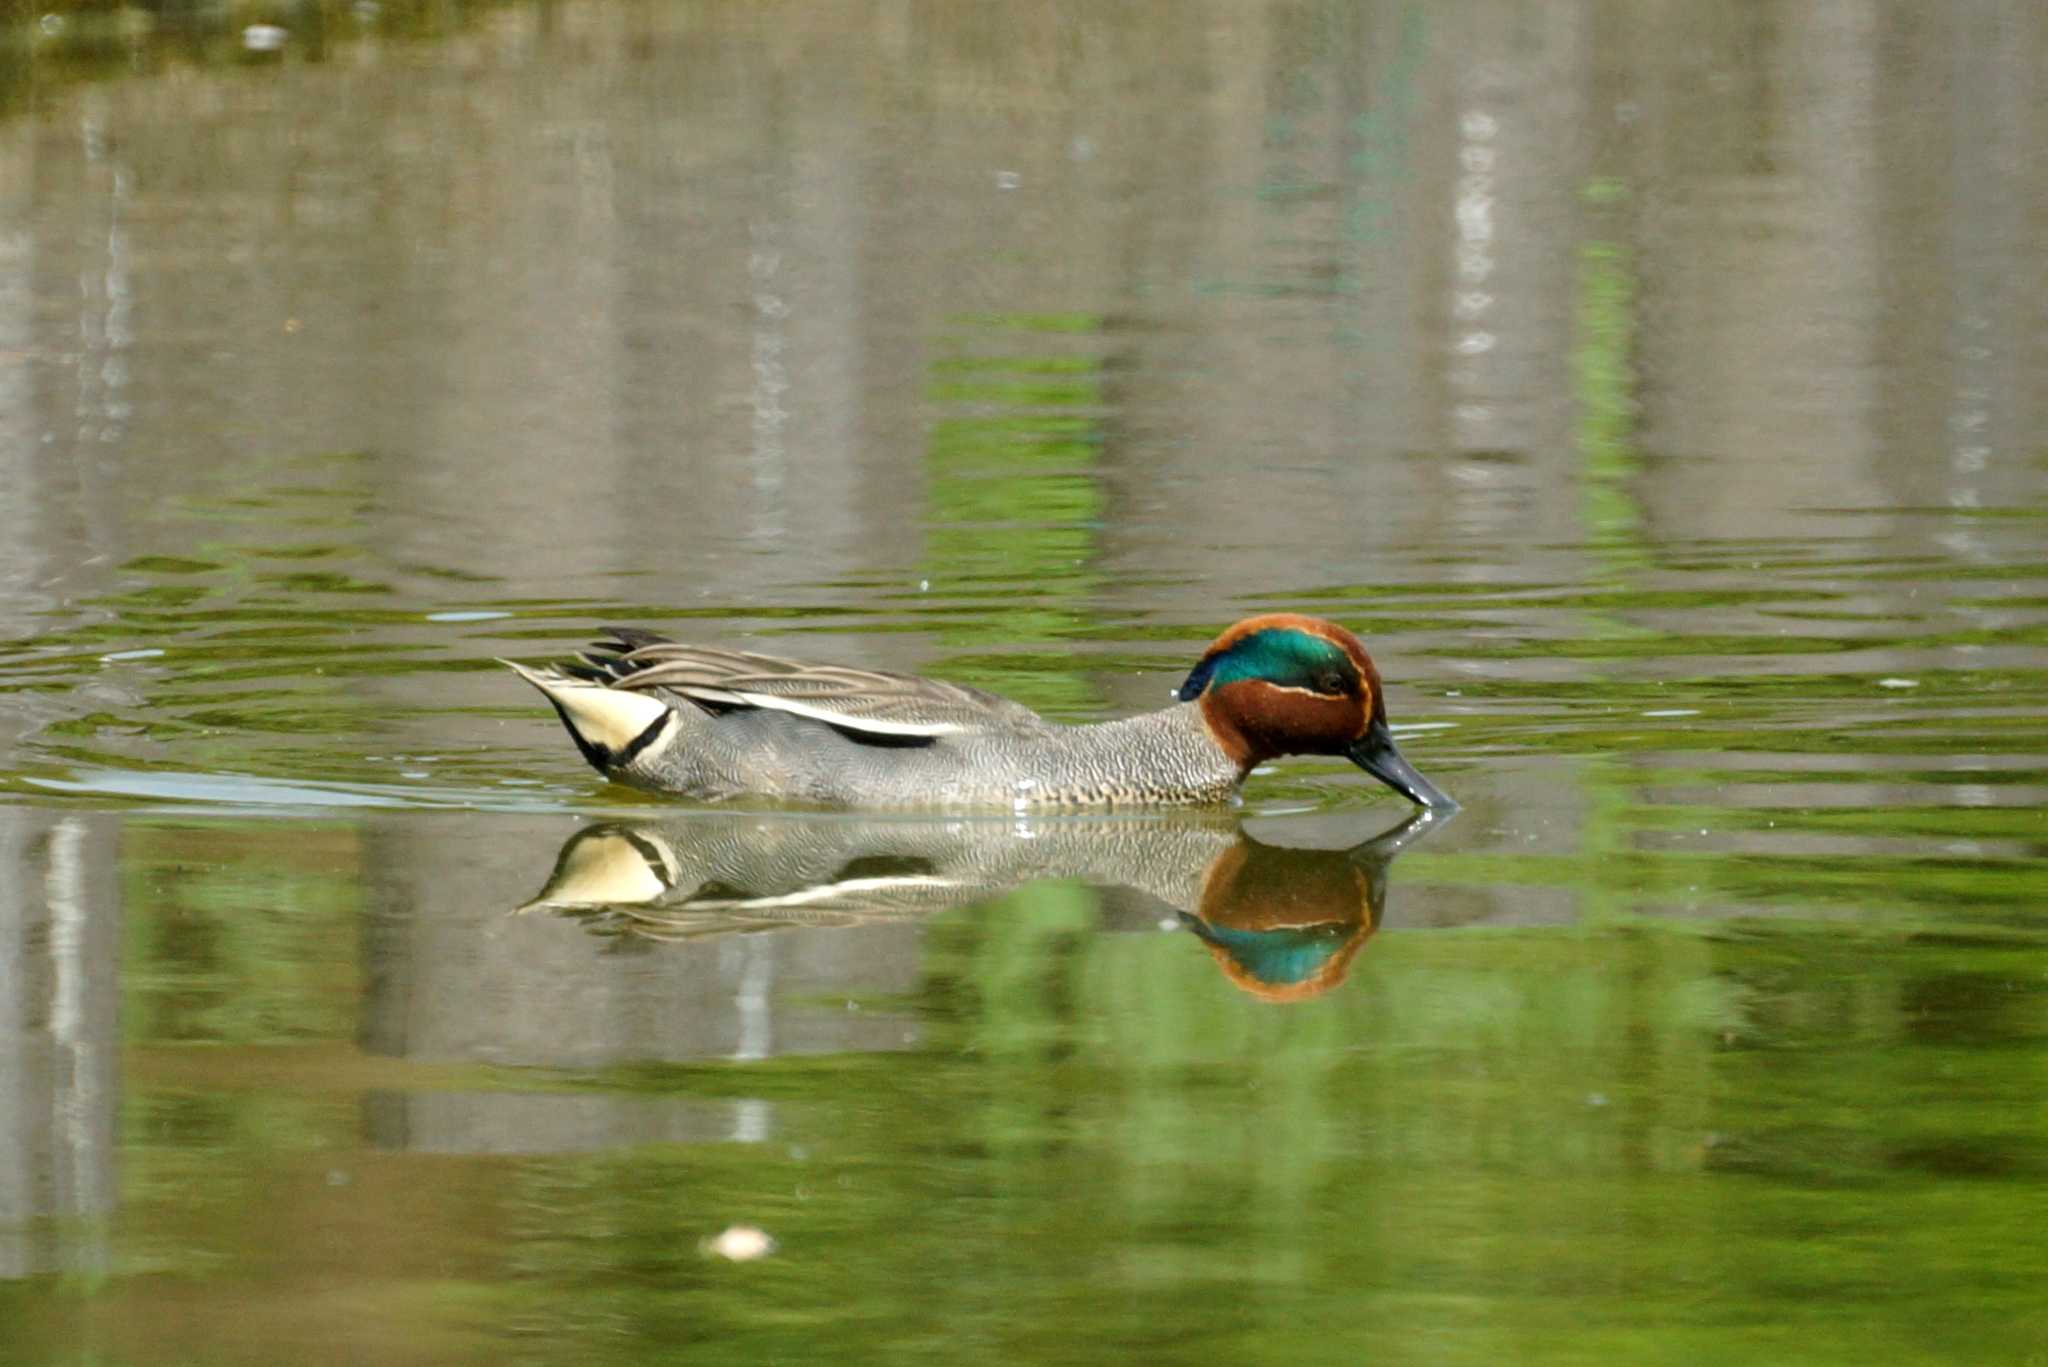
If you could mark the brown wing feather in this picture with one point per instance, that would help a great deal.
(859, 699)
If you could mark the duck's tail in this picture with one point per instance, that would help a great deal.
(611, 726)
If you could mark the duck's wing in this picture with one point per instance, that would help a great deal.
(862, 700)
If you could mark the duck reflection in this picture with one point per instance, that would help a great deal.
(1282, 923)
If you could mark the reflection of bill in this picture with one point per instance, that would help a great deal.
(1282, 923)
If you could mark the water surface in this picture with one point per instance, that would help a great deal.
(1660, 392)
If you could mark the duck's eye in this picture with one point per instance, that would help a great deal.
(1330, 682)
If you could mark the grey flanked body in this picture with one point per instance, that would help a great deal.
(1161, 757)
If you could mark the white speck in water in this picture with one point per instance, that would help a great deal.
(412, 773)
(1898, 683)
(1673, 712)
(1454, 693)
(1596, 1098)
(1474, 344)
(1168, 923)
(465, 616)
(740, 1244)
(263, 37)
(112, 656)
(1008, 180)
(52, 25)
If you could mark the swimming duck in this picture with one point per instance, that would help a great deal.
(707, 722)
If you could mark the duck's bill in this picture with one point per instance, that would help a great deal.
(1376, 753)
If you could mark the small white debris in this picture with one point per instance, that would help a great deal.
(924, 586)
(1898, 683)
(465, 616)
(1672, 712)
(1596, 1099)
(1454, 693)
(264, 37)
(1168, 923)
(739, 1244)
(113, 656)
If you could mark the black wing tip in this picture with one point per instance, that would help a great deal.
(587, 670)
(632, 638)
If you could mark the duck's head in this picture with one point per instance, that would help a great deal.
(1288, 685)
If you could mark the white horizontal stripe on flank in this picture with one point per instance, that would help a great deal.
(885, 728)
(825, 892)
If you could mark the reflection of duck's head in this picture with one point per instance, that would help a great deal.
(1284, 924)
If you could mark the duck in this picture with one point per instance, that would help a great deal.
(713, 723)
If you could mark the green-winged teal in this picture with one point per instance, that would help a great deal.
(706, 722)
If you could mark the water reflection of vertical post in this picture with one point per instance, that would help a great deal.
(1510, 150)
(771, 380)
(755, 1027)
(1471, 278)
(83, 1099)
(1995, 296)
(58, 1082)
(104, 327)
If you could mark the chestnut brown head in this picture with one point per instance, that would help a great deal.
(1282, 684)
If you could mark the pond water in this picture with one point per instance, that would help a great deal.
(1660, 390)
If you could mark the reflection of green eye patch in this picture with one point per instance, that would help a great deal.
(1283, 656)
(1280, 957)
